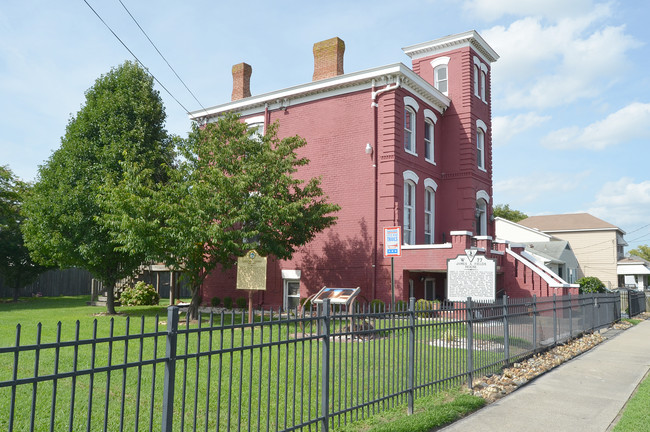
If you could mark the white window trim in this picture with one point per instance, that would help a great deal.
(444, 60)
(410, 175)
(287, 277)
(483, 195)
(483, 127)
(432, 214)
(432, 142)
(477, 71)
(430, 183)
(409, 101)
(428, 114)
(410, 238)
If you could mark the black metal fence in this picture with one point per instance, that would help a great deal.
(286, 371)
(636, 301)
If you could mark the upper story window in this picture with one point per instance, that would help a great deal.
(255, 126)
(409, 212)
(429, 135)
(411, 107)
(409, 129)
(481, 129)
(480, 79)
(440, 79)
(430, 188)
(441, 74)
(482, 200)
(410, 180)
(428, 140)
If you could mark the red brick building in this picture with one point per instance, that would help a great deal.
(395, 146)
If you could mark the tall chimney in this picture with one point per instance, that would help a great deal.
(241, 81)
(328, 58)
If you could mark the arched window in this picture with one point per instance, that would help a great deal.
(481, 217)
(429, 215)
(409, 212)
(409, 129)
(477, 91)
(483, 84)
(481, 129)
(428, 140)
(440, 79)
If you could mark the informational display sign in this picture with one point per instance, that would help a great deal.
(336, 295)
(471, 275)
(392, 241)
(251, 272)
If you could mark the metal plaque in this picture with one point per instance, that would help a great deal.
(251, 272)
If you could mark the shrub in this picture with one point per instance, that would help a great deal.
(215, 302)
(227, 302)
(242, 303)
(591, 284)
(141, 294)
(426, 305)
(377, 305)
(400, 305)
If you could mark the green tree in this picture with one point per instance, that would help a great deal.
(122, 120)
(232, 191)
(504, 211)
(591, 284)
(642, 251)
(16, 266)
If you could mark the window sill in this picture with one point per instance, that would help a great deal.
(430, 161)
(482, 169)
(411, 152)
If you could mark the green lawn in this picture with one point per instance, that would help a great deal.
(636, 415)
(217, 381)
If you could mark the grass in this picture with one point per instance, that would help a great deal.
(430, 412)
(632, 321)
(275, 385)
(636, 415)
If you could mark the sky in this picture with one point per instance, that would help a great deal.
(570, 91)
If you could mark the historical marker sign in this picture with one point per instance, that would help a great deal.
(471, 275)
(251, 271)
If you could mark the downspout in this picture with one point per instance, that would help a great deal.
(375, 138)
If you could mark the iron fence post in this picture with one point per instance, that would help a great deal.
(555, 335)
(593, 312)
(534, 322)
(506, 331)
(411, 378)
(470, 343)
(570, 317)
(170, 369)
(325, 395)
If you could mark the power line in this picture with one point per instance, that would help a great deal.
(135, 57)
(161, 55)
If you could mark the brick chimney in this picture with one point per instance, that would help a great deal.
(241, 81)
(328, 58)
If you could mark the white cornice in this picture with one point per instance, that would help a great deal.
(334, 86)
(447, 43)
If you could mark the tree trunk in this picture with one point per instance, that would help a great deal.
(193, 310)
(110, 297)
(16, 293)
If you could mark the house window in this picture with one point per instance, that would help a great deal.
(440, 78)
(483, 81)
(428, 140)
(409, 212)
(409, 129)
(480, 148)
(429, 215)
(477, 91)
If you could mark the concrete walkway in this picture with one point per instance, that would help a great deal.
(585, 394)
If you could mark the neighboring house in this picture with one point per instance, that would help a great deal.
(541, 248)
(598, 245)
(633, 272)
(395, 146)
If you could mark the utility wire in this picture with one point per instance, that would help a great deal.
(135, 57)
(161, 55)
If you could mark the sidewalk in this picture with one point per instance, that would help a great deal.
(585, 394)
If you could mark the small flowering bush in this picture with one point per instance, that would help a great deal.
(141, 294)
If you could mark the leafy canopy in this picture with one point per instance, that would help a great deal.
(121, 121)
(504, 211)
(591, 284)
(16, 266)
(232, 191)
(642, 251)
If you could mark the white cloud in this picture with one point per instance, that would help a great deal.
(629, 123)
(494, 9)
(623, 202)
(550, 63)
(504, 128)
(526, 189)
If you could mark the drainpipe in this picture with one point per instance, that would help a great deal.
(375, 94)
